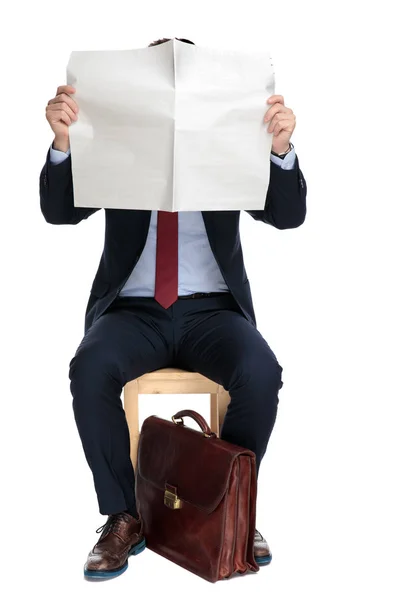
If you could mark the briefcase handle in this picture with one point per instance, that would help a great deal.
(201, 422)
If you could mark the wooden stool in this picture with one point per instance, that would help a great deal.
(172, 381)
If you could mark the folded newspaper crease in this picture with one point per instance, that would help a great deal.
(173, 127)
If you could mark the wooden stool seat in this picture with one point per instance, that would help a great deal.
(172, 381)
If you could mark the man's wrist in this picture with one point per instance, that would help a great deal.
(61, 144)
(283, 153)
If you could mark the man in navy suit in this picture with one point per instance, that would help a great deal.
(171, 290)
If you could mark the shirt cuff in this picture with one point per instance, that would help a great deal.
(58, 156)
(286, 163)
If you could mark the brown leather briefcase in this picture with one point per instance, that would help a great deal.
(196, 495)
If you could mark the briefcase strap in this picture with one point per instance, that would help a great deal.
(201, 422)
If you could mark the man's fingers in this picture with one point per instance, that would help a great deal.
(54, 110)
(286, 124)
(271, 112)
(63, 116)
(65, 98)
(65, 89)
(56, 106)
(275, 98)
(70, 101)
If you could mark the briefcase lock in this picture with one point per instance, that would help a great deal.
(171, 500)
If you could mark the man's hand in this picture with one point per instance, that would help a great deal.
(61, 111)
(282, 122)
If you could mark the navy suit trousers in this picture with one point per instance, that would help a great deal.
(134, 336)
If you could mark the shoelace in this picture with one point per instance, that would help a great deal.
(112, 524)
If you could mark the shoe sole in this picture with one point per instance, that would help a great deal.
(263, 560)
(91, 574)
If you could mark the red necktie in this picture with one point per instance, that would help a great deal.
(166, 288)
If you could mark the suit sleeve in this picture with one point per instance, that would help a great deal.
(285, 205)
(57, 194)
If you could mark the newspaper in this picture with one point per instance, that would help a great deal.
(173, 127)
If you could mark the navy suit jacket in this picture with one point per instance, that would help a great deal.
(126, 232)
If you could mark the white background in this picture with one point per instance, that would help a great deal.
(325, 296)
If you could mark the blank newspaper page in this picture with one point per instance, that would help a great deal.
(173, 127)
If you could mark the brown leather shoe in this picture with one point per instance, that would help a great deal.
(262, 553)
(121, 537)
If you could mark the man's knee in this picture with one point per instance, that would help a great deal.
(261, 373)
(92, 369)
(267, 375)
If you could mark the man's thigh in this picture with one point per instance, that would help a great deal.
(228, 349)
(124, 343)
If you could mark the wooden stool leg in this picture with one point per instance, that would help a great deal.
(218, 405)
(223, 401)
(131, 406)
(214, 422)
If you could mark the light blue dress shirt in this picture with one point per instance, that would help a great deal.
(198, 270)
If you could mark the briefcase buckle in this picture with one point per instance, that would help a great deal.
(171, 500)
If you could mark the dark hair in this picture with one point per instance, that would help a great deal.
(163, 40)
